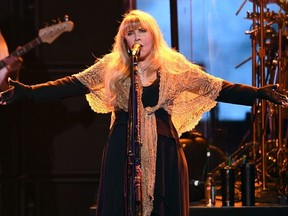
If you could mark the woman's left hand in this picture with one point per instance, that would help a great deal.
(271, 94)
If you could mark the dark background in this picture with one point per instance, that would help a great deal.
(50, 154)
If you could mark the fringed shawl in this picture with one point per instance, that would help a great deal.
(185, 96)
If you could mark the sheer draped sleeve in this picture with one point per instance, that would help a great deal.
(189, 95)
(93, 78)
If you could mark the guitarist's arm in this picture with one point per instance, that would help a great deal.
(4, 79)
(13, 66)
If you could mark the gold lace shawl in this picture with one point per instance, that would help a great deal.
(185, 96)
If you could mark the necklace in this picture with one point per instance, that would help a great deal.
(146, 79)
(141, 70)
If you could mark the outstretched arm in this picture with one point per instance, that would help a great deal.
(246, 95)
(62, 88)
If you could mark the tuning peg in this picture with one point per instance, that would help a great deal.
(66, 18)
(46, 24)
(54, 21)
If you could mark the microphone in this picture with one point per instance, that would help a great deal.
(135, 50)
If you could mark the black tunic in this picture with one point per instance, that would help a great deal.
(171, 182)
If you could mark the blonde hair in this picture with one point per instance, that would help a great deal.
(162, 57)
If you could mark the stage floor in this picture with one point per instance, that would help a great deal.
(267, 203)
(260, 209)
(271, 208)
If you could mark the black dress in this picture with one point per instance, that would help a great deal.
(171, 183)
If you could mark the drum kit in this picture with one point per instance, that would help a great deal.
(268, 149)
(269, 66)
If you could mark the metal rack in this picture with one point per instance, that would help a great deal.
(268, 148)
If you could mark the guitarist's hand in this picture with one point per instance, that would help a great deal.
(13, 65)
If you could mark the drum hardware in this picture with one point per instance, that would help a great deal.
(268, 148)
(235, 158)
(268, 66)
(246, 152)
(282, 3)
(269, 16)
(198, 152)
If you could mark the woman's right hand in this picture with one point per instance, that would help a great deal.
(16, 92)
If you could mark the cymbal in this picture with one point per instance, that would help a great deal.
(270, 16)
(264, 1)
(282, 3)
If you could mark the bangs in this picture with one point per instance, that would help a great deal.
(133, 23)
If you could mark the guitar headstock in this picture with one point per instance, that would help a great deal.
(50, 33)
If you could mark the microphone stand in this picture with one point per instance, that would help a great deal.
(133, 192)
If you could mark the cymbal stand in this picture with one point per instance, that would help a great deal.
(268, 65)
(282, 154)
(255, 108)
(258, 71)
(263, 103)
(263, 55)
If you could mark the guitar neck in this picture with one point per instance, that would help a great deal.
(23, 50)
(45, 35)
